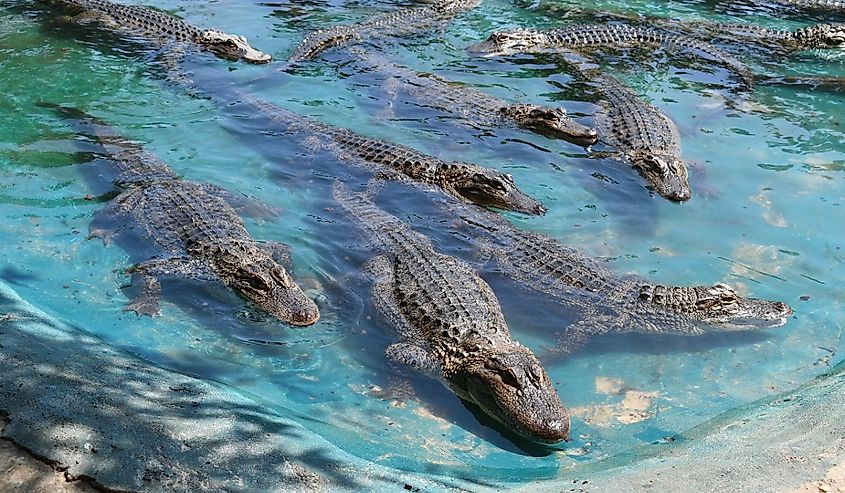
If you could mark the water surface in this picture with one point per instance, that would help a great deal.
(767, 207)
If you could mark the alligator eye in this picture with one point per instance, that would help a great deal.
(706, 303)
(280, 276)
(660, 165)
(252, 281)
(495, 184)
(537, 374)
(509, 378)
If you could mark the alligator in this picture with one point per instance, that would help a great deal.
(466, 181)
(645, 137)
(609, 302)
(479, 107)
(451, 327)
(831, 7)
(200, 234)
(402, 22)
(588, 36)
(160, 27)
(826, 83)
(819, 5)
(809, 37)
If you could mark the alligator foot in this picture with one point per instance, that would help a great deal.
(279, 252)
(575, 337)
(413, 356)
(147, 300)
(103, 234)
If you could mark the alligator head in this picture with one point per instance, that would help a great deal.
(822, 36)
(231, 47)
(508, 42)
(665, 173)
(550, 121)
(513, 388)
(719, 305)
(487, 187)
(268, 285)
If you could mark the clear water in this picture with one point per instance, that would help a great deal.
(766, 218)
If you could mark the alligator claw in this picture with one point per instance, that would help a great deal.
(143, 307)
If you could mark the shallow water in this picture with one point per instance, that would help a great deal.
(768, 193)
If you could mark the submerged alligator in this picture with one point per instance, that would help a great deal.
(607, 301)
(200, 233)
(477, 107)
(466, 181)
(604, 35)
(452, 328)
(804, 38)
(646, 138)
(160, 27)
(402, 22)
(821, 5)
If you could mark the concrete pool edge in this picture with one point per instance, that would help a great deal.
(73, 400)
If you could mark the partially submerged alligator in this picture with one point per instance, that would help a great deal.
(466, 181)
(820, 5)
(645, 137)
(478, 107)
(452, 328)
(814, 36)
(402, 22)
(160, 27)
(590, 36)
(607, 301)
(200, 233)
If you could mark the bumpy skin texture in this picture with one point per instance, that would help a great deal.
(451, 327)
(605, 35)
(475, 107)
(609, 302)
(160, 27)
(466, 181)
(647, 139)
(814, 36)
(400, 23)
(826, 5)
(200, 234)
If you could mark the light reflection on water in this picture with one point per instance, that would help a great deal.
(765, 217)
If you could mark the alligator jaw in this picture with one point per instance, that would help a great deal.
(751, 314)
(512, 387)
(270, 286)
(489, 188)
(667, 175)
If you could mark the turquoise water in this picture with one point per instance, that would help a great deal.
(768, 187)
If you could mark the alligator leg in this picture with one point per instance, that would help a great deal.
(575, 337)
(402, 353)
(279, 252)
(89, 17)
(415, 357)
(102, 225)
(171, 56)
(243, 204)
(147, 301)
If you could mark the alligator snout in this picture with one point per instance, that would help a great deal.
(304, 317)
